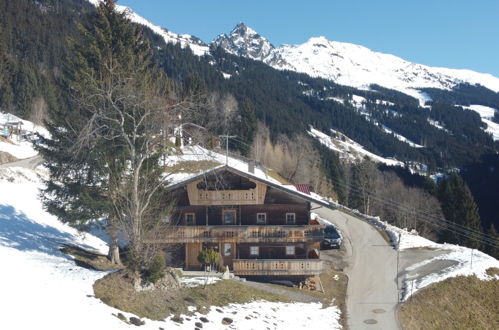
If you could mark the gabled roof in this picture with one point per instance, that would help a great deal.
(289, 189)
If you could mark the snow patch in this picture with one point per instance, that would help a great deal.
(348, 148)
(486, 113)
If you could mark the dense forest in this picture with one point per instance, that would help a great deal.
(275, 109)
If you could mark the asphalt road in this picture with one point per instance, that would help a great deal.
(371, 267)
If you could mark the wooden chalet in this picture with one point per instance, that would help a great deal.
(260, 228)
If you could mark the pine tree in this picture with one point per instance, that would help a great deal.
(102, 157)
(248, 125)
(459, 207)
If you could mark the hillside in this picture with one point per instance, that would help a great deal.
(454, 128)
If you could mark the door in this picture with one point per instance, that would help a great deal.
(228, 251)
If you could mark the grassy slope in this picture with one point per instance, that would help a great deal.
(456, 303)
(116, 290)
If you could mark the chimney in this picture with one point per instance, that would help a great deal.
(251, 166)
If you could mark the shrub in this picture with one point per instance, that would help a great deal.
(157, 269)
(209, 257)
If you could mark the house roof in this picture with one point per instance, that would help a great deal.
(300, 192)
(304, 188)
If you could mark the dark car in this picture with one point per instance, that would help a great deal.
(332, 238)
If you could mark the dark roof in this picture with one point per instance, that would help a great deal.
(292, 189)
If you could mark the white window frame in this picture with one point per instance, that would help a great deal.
(264, 218)
(186, 215)
(224, 212)
(254, 251)
(290, 250)
(294, 218)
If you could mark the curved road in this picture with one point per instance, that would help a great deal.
(372, 294)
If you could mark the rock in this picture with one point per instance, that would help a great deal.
(178, 319)
(122, 317)
(219, 310)
(136, 321)
(227, 321)
(204, 319)
(199, 325)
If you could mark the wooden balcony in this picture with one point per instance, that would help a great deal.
(277, 267)
(226, 197)
(240, 234)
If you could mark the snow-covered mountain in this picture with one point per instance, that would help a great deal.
(244, 41)
(349, 64)
(197, 46)
(344, 63)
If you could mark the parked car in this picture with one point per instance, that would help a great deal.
(332, 238)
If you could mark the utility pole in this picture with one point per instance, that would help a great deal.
(471, 264)
(227, 137)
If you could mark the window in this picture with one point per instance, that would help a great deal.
(261, 218)
(227, 249)
(290, 218)
(229, 217)
(190, 218)
(290, 250)
(254, 250)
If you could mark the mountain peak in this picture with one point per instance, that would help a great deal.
(244, 41)
(243, 30)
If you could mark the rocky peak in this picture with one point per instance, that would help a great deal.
(244, 41)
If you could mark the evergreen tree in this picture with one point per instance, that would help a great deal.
(459, 207)
(248, 125)
(102, 159)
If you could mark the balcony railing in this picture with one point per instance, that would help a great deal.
(277, 267)
(250, 234)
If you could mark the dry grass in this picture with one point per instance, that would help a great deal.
(192, 166)
(116, 290)
(5, 158)
(273, 174)
(335, 291)
(89, 259)
(456, 303)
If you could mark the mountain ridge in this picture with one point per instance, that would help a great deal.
(343, 63)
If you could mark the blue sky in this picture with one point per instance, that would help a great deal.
(451, 33)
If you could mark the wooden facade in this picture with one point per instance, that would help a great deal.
(258, 229)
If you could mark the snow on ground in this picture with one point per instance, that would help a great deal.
(348, 148)
(18, 146)
(192, 282)
(486, 113)
(197, 153)
(437, 124)
(358, 101)
(43, 288)
(268, 315)
(401, 137)
(466, 261)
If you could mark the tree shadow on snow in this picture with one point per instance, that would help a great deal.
(19, 232)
